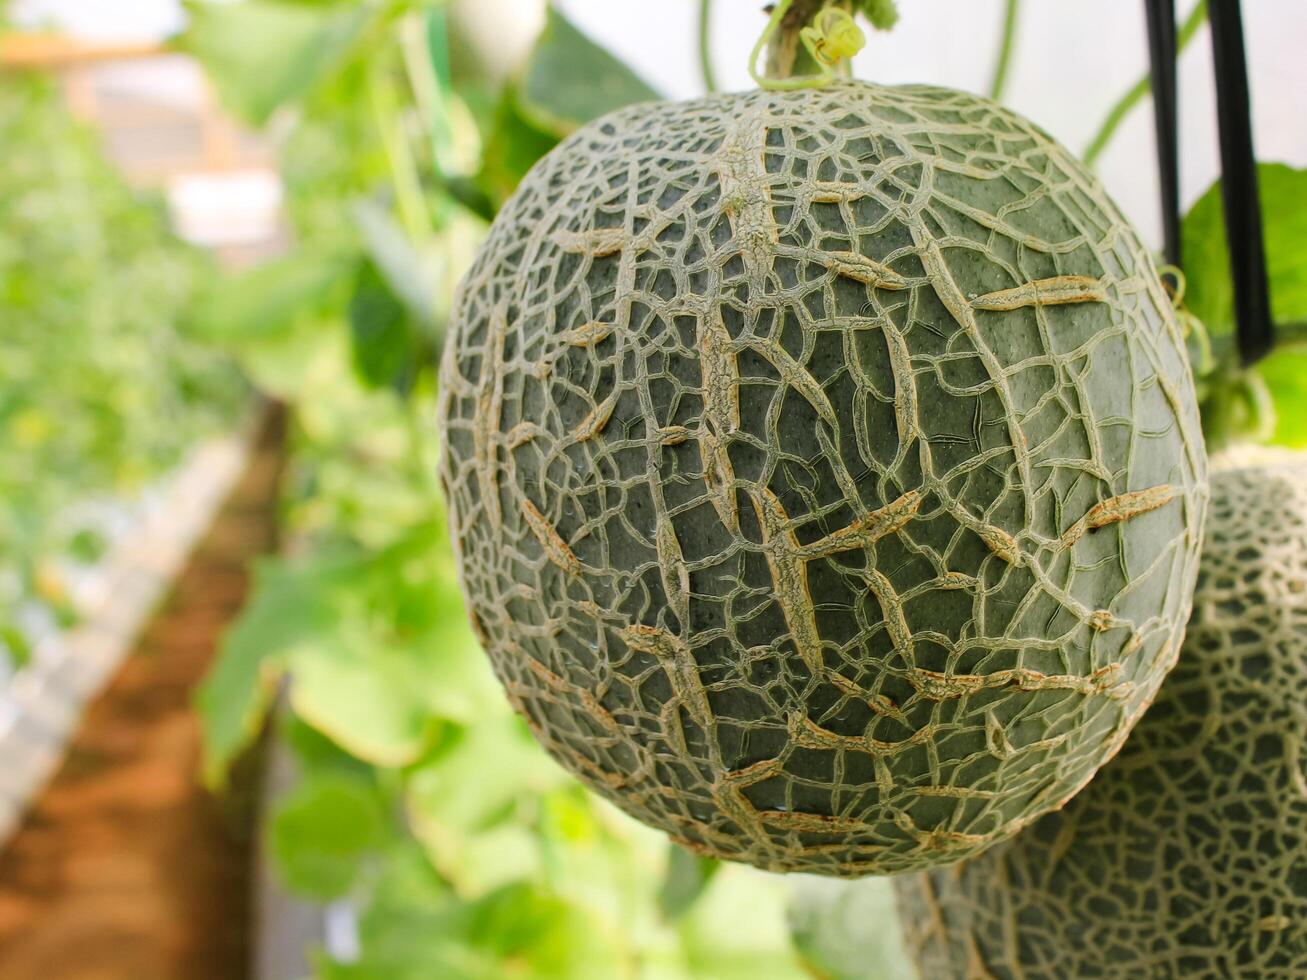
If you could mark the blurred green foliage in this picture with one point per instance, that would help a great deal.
(569, 81)
(848, 930)
(264, 55)
(1230, 403)
(1210, 295)
(883, 14)
(99, 394)
(423, 800)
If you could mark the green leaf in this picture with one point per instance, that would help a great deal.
(264, 55)
(1285, 374)
(513, 145)
(569, 79)
(287, 604)
(736, 930)
(87, 545)
(320, 833)
(279, 318)
(436, 48)
(314, 752)
(472, 804)
(408, 905)
(265, 303)
(398, 659)
(404, 268)
(364, 695)
(684, 880)
(14, 646)
(457, 792)
(847, 930)
(523, 924)
(519, 930)
(1209, 293)
(386, 348)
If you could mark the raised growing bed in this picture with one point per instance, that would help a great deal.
(43, 700)
(123, 859)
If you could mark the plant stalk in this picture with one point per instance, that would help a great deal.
(1288, 336)
(786, 56)
(999, 82)
(705, 46)
(386, 112)
(1135, 94)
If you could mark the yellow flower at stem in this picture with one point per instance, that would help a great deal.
(833, 36)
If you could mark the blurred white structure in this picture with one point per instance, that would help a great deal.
(160, 122)
(41, 703)
(218, 210)
(104, 20)
(1072, 62)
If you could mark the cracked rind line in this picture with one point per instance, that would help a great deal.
(719, 479)
(867, 529)
(1120, 508)
(794, 376)
(809, 735)
(594, 423)
(721, 376)
(681, 669)
(855, 266)
(555, 548)
(939, 686)
(996, 737)
(588, 334)
(1000, 543)
(673, 435)
(789, 576)
(488, 420)
(1045, 292)
(721, 399)
(598, 242)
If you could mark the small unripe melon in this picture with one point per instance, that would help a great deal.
(1186, 857)
(824, 470)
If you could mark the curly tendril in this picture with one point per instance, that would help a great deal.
(1190, 325)
(1261, 418)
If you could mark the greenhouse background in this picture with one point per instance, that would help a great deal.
(245, 727)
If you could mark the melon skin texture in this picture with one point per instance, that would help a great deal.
(824, 471)
(1186, 857)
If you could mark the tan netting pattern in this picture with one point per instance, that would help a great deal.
(1186, 857)
(825, 471)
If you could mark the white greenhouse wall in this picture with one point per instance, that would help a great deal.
(1073, 60)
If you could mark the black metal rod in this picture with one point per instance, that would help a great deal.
(1243, 210)
(1166, 119)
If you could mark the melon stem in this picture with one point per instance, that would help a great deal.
(790, 62)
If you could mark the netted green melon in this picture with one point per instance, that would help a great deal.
(824, 469)
(1186, 857)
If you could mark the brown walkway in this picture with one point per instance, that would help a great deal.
(125, 869)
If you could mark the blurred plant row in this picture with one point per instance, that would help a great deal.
(423, 801)
(100, 396)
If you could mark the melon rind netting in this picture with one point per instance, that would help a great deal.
(824, 469)
(1186, 856)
